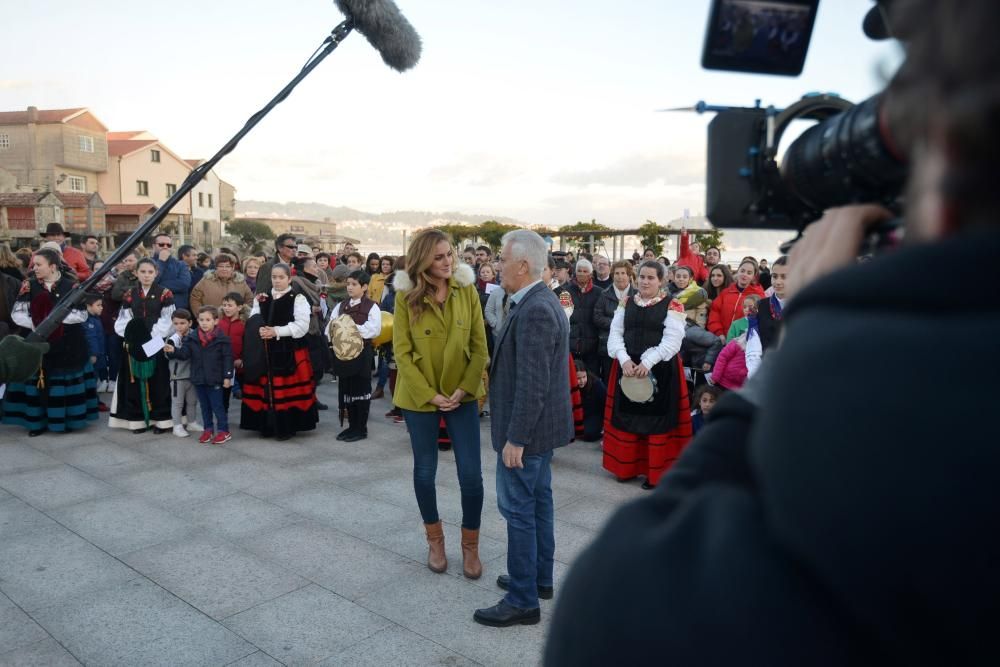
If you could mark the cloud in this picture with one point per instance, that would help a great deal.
(478, 170)
(638, 171)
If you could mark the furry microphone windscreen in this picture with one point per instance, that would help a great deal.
(385, 27)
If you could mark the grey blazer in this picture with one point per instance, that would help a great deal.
(529, 378)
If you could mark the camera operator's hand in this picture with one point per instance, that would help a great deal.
(830, 244)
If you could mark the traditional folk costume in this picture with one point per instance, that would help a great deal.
(62, 395)
(351, 365)
(142, 392)
(279, 394)
(646, 438)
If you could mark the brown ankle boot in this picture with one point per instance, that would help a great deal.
(472, 567)
(436, 560)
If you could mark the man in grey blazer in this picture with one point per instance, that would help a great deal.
(531, 416)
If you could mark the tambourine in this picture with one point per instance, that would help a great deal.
(639, 390)
(385, 336)
(345, 339)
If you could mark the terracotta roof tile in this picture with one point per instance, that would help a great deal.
(74, 199)
(128, 209)
(21, 198)
(44, 116)
(124, 147)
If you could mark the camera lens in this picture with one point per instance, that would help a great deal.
(844, 160)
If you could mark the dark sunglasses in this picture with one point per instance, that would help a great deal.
(290, 247)
(165, 245)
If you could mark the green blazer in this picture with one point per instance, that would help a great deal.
(441, 350)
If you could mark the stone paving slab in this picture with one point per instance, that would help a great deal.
(214, 576)
(19, 456)
(398, 647)
(239, 515)
(306, 626)
(123, 523)
(170, 487)
(330, 558)
(440, 608)
(343, 509)
(17, 629)
(104, 459)
(17, 516)
(47, 488)
(139, 623)
(45, 653)
(42, 566)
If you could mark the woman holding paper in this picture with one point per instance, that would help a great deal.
(62, 395)
(142, 393)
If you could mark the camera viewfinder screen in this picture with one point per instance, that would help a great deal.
(762, 36)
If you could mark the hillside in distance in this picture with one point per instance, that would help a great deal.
(345, 214)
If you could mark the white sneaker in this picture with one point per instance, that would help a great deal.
(195, 427)
(180, 432)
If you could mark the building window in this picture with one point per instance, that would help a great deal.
(4, 142)
(142, 188)
(77, 184)
(86, 144)
(171, 189)
(296, 228)
(154, 155)
(210, 204)
(201, 199)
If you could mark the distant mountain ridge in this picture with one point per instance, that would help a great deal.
(345, 214)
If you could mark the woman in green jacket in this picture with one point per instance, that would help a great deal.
(439, 340)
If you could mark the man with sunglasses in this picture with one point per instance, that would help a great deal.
(171, 272)
(285, 248)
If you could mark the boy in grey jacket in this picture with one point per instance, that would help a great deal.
(183, 398)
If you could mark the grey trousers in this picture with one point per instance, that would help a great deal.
(183, 395)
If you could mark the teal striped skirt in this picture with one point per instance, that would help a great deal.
(67, 403)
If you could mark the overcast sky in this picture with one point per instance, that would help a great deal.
(538, 110)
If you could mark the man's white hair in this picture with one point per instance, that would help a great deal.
(584, 264)
(527, 245)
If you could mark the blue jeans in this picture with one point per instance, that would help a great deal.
(463, 426)
(524, 496)
(383, 372)
(210, 399)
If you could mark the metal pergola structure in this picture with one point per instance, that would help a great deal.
(617, 238)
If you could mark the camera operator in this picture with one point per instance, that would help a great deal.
(842, 509)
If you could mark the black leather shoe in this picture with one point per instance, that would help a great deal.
(139, 431)
(502, 615)
(36, 432)
(354, 437)
(544, 592)
(160, 431)
(345, 433)
(647, 486)
(282, 437)
(322, 406)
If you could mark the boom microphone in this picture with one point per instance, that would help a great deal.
(385, 28)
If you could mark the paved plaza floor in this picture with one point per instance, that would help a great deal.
(124, 549)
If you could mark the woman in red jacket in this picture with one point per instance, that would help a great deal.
(728, 306)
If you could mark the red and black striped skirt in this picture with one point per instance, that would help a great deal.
(628, 455)
(294, 401)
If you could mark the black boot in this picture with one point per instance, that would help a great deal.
(359, 421)
(345, 412)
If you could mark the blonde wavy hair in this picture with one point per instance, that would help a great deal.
(419, 258)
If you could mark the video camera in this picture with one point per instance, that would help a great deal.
(847, 157)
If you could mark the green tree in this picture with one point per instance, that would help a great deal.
(492, 231)
(710, 238)
(649, 235)
(250, 231)
(458, 232)
(582, 240)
